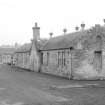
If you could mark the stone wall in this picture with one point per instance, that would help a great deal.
(86, 59)
(83, 66)
(5, 58)
(91, 63)
(34, 58)
(82, 63)
(23, 60)
(56, 63)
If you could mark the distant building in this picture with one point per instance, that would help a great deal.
(6, 54)
(78, 55)
(22, 56)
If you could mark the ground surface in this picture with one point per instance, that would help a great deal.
(18, 87)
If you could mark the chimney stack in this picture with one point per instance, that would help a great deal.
(36, 32)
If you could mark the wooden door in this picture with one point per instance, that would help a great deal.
(98, 54)
(98, 60)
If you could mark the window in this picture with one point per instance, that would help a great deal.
(64, 58)
(98, 60)
(68, 52)
(61, 59)
(58, 58)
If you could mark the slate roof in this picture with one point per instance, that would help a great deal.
(27, 47)
(24, 48)
(6, 50)
(63, 41)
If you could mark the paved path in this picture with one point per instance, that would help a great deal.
(18, 87)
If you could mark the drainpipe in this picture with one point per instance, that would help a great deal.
(40, 61)
(71, 51)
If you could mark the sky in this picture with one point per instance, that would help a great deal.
(17, 17)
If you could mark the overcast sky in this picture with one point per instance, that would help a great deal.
(17, 17)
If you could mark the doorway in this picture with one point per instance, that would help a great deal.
(98, 60)
(98, 54)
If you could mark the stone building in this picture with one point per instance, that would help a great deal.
(27, 56)
(77, 55)
(6, 54)
(22, 56)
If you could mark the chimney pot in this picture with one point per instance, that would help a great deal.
(51, 34)
(104, 20)
(76, 28)
(83, 26)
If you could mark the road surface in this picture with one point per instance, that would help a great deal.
(20, 87)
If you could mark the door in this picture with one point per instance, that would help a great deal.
(98, 54)
(98, 60)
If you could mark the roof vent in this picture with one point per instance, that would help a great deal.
(82, 26)
(51, 34)
(76, 28)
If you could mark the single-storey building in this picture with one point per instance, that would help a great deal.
(77, 55)
(6, 54)
(22, 56)
(27, 56)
